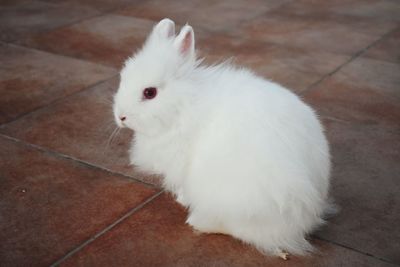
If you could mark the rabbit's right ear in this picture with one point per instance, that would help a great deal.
(184, 42)
(165, 28)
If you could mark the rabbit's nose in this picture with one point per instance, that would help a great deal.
(122, 118)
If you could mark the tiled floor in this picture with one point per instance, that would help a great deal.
(67, 194)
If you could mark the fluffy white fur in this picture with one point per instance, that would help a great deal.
(246, 156)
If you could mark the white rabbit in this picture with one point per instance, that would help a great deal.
(246, 156)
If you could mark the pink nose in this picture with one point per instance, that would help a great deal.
(122, 118)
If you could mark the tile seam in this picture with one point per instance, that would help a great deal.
(356, 55)
(76, 160)
(97, 13)
(83, 60)
(106, 229)
(58, 100)
(356, 250)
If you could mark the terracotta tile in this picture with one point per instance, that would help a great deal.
(365, 91)
(17, 21)
(293, 67)
(386, 49)
(371, 9)
(157, 236)
(209, 15)
(9, 3)
(50, 205)
(108, 39)
(311, 33)
(30, 79)
(361, 103)
(83, 125)
(292, 79)
(101, 5)
(365, 183)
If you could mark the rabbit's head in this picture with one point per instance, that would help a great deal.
(153, 86)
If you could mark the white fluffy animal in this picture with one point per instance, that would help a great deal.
(246, 156)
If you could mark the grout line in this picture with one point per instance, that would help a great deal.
(57, 100)
(150, 199)
(355, 250)
(229, 28)
(19, 41)
(113, 11)
(353, 57)
(90, 240)
(76, 160)
(71, 57)
(105, 230)
(326, 76)
(79, 20)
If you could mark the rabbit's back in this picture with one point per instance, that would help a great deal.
(261, 155)
(263, 133)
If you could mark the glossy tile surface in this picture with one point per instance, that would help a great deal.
(30, 79)
(344, 36)
(381, 11)
(68, 195)
(365, 184)
(386, 49)
(107, 39)
(50, 205)
(364, 91)
(157, 236)
(296, 68)
(216, 16)
(85, 130)
(360, 104)
(24, 17)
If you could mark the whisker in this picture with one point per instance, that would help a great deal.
(109, 140)
(109, 101)
(108, 125)
(112, 136)
(114, 159)
(106, 101)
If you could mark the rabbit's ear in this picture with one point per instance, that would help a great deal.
(184, 42)
(165, 28)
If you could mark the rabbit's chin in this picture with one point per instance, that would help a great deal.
(147, 129)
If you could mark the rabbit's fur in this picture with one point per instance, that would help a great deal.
(246, 156)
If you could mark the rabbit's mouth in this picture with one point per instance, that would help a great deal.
(121, 122)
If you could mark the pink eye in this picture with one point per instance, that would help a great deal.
(149, 93)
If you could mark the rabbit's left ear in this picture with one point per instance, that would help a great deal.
(184, 42)
(165, 28)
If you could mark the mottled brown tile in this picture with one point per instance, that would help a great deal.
(108, 39)
(361, 105)
(365, 184)
(101, 5)
(296, 68)
(364, 91)
(331, 35)
(370, 9)
(83, 125)
(16, 21)
(387, 49)
(157, 236)
(9, 3)
(30, 79)
(210, 15)
(50, 205)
